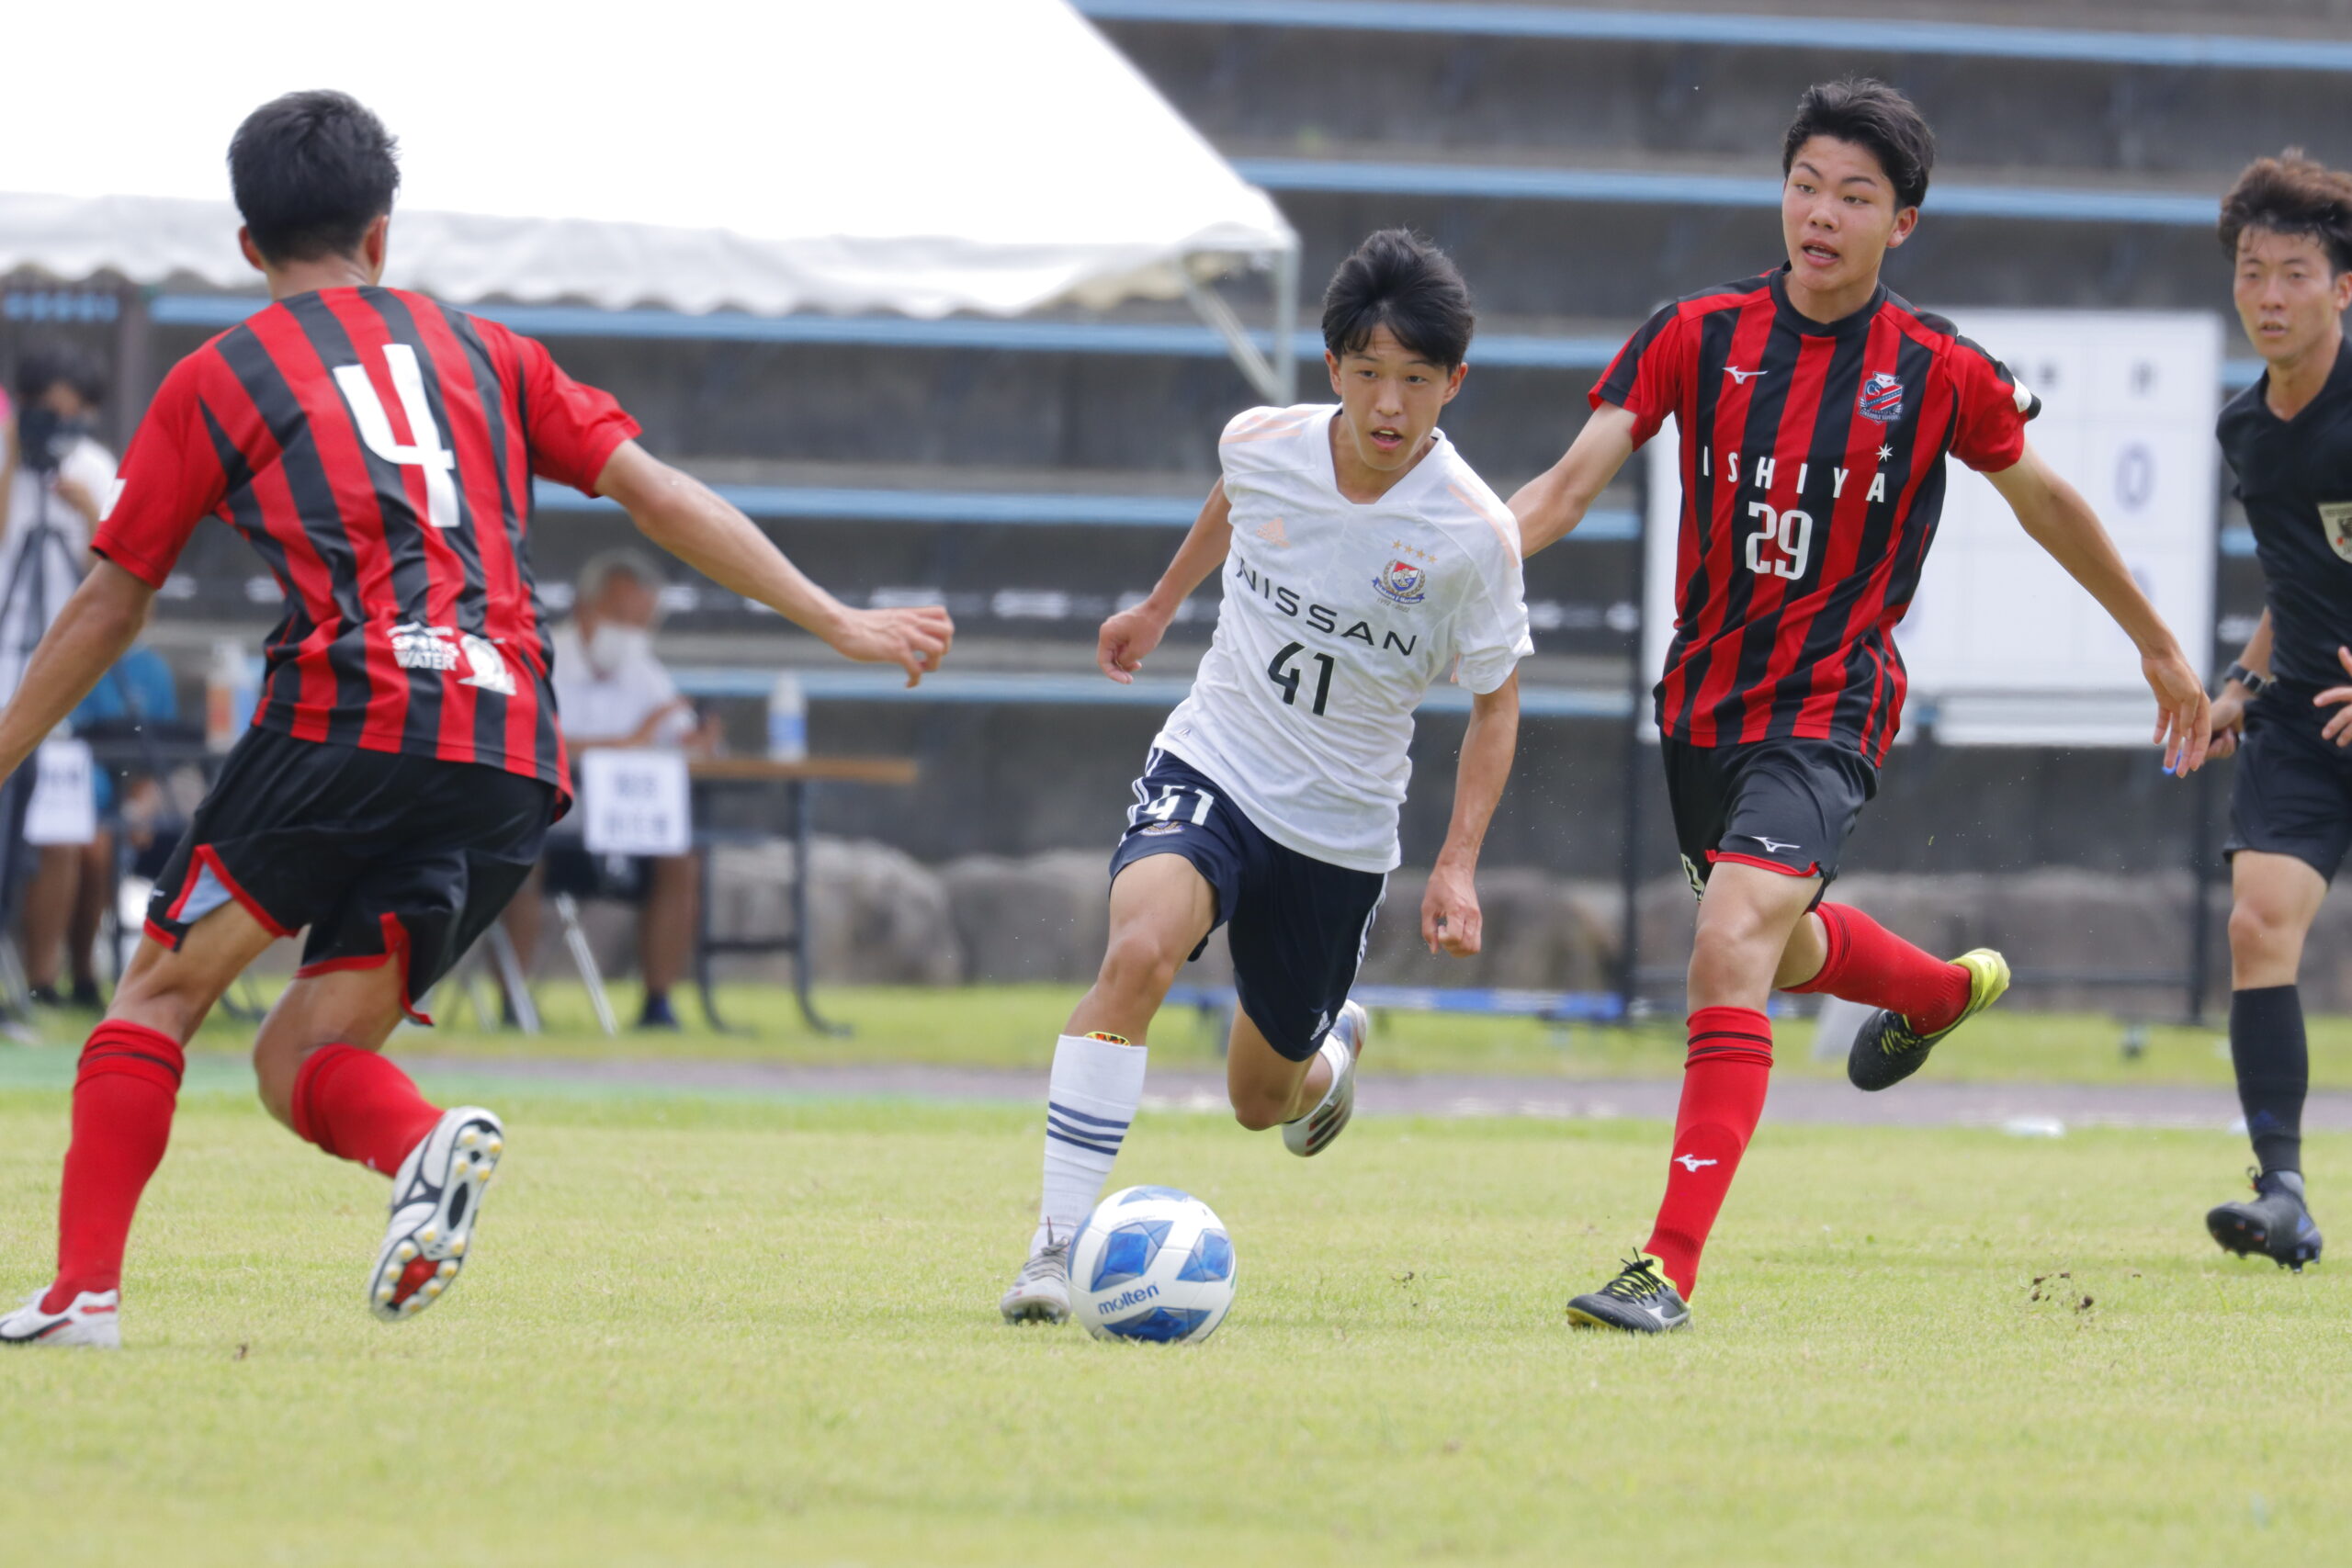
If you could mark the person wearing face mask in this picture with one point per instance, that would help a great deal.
(54, 489)
(612, 691)
(58, 476)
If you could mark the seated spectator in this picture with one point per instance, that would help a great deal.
(611, 691)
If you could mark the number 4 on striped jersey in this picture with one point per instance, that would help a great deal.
(425, 449)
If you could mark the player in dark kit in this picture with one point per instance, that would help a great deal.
(1815, 409)
(2286, 226)
(404, 761)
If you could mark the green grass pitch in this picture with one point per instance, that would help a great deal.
(1015, 1025)
(715, 1331)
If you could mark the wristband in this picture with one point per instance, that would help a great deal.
(2255, 683)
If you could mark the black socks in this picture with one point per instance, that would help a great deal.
(2274, 1072)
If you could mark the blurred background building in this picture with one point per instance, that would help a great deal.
(1582, 165)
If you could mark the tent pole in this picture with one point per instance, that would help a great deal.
(1285, 388)
(1262, 373)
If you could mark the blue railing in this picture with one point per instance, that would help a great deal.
(1014, 688)
(1141, 340)
(1839, 35)
(1662, 188)
(1018, 509)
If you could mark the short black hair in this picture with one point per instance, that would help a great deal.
(2293, 194)
(1868, 113)
(311, 170)
(1398, 279)
(53, 363)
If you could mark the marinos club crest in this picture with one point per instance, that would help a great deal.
(1882, 398)
(1402, 582)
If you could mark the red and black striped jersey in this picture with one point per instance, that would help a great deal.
(1813, 474)
(377, 451)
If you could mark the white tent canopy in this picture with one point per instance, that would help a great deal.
(920, 156)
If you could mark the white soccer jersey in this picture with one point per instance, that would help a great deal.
(1337, 618)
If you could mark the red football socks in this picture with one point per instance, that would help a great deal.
(1723, 1080)
(123, 1098)
(359, 1107)
(1870, 964)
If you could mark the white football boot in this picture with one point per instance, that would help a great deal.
(89, 1320)
(1040, 1293)
(436, 1198)
(1342, 1045)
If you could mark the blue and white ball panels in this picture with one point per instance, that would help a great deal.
(1151, 1263)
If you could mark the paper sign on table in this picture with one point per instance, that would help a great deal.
(64, 807)
(634, 803)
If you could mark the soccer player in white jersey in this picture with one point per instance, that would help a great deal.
(1363, 560)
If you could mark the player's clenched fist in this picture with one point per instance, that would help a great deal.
(1127, 638)
(2227, 724)
(915, 639)
(1451, 923)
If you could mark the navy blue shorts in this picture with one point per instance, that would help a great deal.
(1297, 925)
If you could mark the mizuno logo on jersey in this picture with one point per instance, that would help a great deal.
(1742, 378)
(1322, 617)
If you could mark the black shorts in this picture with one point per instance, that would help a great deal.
(571, 868)
(1297, 926)
(2292, 795)
(380, 854)
(1786, 805)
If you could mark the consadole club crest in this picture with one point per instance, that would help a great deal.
(2335, 517)
(1882, 398)
(1402, 582)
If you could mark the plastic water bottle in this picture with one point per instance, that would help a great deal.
(231, 695)
(788, 720)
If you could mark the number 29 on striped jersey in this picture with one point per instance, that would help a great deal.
(423, 449)
(1781, 545)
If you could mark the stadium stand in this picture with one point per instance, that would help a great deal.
(1582, 163)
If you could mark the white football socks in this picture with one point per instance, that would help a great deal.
(1334, 1051)
(1090, 1102)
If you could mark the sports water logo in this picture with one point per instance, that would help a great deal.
(1882, 398)
(1402, 582)
(419, 646)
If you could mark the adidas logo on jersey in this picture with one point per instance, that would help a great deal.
(1273, 533)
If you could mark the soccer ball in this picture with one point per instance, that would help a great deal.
(1151, 1263)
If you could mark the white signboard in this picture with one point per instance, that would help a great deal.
(2002, 647)
(634, 803)
(64, 806)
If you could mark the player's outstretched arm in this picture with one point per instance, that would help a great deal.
(2054, 514)
(1127, 637)
(686, 518)
(1550, 505)
(97, 626)
(1451, 922)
